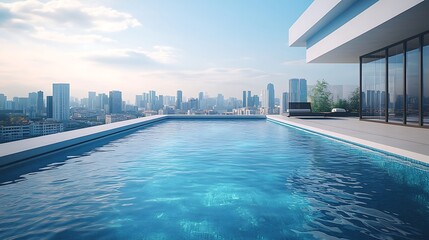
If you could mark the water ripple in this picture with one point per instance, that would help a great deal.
(216, 180)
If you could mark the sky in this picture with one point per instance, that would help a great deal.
(211, 46)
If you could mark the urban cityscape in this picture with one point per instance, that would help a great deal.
(38, 115)
(214, 119)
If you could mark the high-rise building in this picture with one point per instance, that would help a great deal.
(139, 100)
(115, 102)
(103, 102)
(285, 103)
(179, 99)
(152, 100)
(220, 101)
(61, 101)
(92, 100)
(193, 104)
(244, 99)
(249, 99)
(40, 106)
(3, 100)
(49, 107)
(270, 95)
(160, 102)
(297, 90)
(200, 100)
(30, 110)
(32, 100)
(255, 101)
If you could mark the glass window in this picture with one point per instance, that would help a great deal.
(396, 84)
(426, 80)
(373, 95)
(412, 81)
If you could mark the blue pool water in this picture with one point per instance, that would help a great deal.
(241, 179)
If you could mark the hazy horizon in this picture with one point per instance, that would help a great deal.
(136, 46)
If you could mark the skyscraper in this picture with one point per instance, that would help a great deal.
(244, 99)
(40, 106)
(249, 99)
(297, 90)
(200, 100)
(92, 100)
(285, 102)
(61, 101)
(255, 101)
(139, 100)
(115, 102)
(49, 107)
(179, 99)
(220, 101)
(31, 109)
(3, 100)
(160, 102)
(103, 102)
(270, 93)
(152, 100)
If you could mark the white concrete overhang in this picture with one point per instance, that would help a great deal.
(383, 23)
(317, 16)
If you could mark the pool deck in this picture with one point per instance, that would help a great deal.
(408, 142)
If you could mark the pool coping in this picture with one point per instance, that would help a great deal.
(26, 149)
(372, 145)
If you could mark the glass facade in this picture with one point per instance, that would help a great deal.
(374, 86)
(412, 81)
(396, 83)
(426, 80)
(401, 71)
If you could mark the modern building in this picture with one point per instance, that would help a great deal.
(31, 108)
(102, 102)
(270, 98)
(45, 128)
(3, 100)
(40, 106)
(12, 133)
(389, 39)
(92, 100)
(152, 103)
(160, 102)
(139, 100)
(297, 90)
(49, 107)
(179, 99)
(115, 102)
(249, 99)
(61, 101)
(244, 99)
(285, 103)
(201, 104)
(255, 101)
(220, 102)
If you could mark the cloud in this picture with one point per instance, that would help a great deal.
(42, 34)
(130, 58)
(294, 62)
(63, 19)
(219, 75)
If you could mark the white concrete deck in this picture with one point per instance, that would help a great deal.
(408, 142)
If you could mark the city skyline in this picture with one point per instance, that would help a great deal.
(186, 46)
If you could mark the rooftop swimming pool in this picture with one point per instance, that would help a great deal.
(215, 179)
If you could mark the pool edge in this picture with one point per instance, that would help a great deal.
(382, 148)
